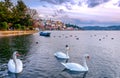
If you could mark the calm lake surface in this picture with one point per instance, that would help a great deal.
(37, 54)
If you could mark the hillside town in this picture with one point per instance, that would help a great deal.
(53, 25)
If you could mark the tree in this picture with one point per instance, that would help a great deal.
(15, 15)
(3, 26)
(21, 8)
(32, 12)
(8, 4)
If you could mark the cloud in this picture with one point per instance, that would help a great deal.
(90, 3)
(79, 11)
(94, 3)
(55, 1)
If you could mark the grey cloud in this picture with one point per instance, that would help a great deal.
(90, 3)
(93, 3)
(68, 7)
(56, 1)
(61, 11)
(119, 3)
(44, 5)
(49, 1)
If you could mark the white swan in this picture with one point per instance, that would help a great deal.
(62, 55)
(77, 67)
(15, 65)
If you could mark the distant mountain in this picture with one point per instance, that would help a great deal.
(101, 28)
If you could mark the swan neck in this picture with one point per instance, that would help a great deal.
(15, 61)
(67, 49)
(67, 53)
(85, 64)
(14, 57)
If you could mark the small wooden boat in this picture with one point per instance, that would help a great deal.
(46, 34)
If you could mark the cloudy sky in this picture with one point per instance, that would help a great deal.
(80, 12)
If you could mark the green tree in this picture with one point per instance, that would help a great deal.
(21, 8)
(17, 26)
(15, 15)
(8, 4)
(3, 26)
(3, 12)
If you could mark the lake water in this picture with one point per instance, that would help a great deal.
(37, 54)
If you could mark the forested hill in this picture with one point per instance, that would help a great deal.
(101, 28)
(117, 27)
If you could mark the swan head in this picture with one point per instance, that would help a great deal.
(87, 56)
(16, 53)
(67, 47)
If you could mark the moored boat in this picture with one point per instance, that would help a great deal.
(47, 34)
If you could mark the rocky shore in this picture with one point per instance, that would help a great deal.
(14, 33)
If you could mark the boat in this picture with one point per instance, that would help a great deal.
(46, 34)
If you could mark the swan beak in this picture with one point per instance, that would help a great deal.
(17, 54)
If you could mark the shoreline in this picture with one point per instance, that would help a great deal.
(16, 33)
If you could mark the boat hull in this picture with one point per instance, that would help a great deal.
(46, 34)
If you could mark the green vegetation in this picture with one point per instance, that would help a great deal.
(74, 26)
(14, 17)
(3, 26)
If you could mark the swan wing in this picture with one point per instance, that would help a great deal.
(12, 68)
(74, 67)
(61, 55)
(19, 66)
